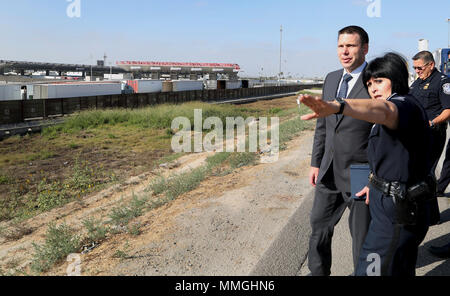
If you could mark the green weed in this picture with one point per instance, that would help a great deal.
(157, 117)
(123, 214)
(4, 179)
(74, 146)
(83, 177)
(217, 159)
(123, 254)
(60, 241)
(241, 159)
(96, 230)
(185, 182)
(135, 229)
(42, 155)
(50, 195)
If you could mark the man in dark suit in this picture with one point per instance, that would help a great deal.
(339, 141)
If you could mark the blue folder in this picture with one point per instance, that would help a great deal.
(359, 178)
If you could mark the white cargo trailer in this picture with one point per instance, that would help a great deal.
(10, 92)
(122, 76)
(233, 84)
(70, 90)
(211, 84)
(145, 86)
(186, 85)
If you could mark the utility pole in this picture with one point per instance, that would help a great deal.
(448, 21)
(92, 58)
(281, 44)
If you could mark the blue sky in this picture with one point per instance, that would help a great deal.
(244, 32)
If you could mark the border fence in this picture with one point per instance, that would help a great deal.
(12, 112)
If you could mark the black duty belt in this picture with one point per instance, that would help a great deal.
(419, 192)
(394, 189)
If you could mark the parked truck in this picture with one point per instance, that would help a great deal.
(442, 59)
(140, 86)
(70, 90)
(10, 92)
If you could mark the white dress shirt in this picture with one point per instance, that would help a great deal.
(355, 74)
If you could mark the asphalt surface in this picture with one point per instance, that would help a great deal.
(287, 256)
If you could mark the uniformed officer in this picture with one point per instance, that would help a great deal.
(402, 205)
(432, 89)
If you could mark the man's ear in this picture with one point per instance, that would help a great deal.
(366, 48)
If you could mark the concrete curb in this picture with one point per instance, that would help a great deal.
(288, 252)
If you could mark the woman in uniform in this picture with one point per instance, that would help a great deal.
(400, 193)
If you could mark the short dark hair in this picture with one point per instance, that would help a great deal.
(391, 66)
(425, 56)
(363, 36)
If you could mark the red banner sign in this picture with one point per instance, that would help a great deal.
(175, 64)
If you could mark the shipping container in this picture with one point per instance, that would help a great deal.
(442, 60)
(233, 84)
(167, 86)
(30, 92)
(186, 85)
(10, 92)
(140, 86)
(252, 83)
(70, 90)
(211, 84)
(221, 84)
(123, 76)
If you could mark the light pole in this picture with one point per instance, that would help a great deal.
(448, 22)
(281, 43)
(92, 58)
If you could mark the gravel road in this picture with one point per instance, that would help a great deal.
(228, 233)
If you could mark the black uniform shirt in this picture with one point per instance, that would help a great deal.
(402, 154)
(433, 93)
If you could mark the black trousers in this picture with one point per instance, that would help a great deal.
(329, 205)
(444, 180)
(439, 135)
(390, 249)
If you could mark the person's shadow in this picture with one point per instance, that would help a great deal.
(425, 258)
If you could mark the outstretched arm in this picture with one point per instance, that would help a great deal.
(375, 111)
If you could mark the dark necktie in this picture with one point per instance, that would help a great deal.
(344, 86)
(343, 90)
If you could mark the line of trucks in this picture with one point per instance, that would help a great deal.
(59, 90)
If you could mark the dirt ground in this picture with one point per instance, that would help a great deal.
(113, 154)
(156, 226)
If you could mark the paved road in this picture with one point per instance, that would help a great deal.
(291, 246)
(427, 264)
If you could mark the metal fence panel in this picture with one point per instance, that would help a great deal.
(33, 109)
(10, 112)
(18, 111)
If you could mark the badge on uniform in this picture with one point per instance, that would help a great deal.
(446, 88)
(426, 86)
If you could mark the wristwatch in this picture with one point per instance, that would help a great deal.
(342, 102)
(432, 125)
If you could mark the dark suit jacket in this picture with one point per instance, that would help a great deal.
(338, 143)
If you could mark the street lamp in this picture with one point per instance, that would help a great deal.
(448, 21)
(281, 43)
